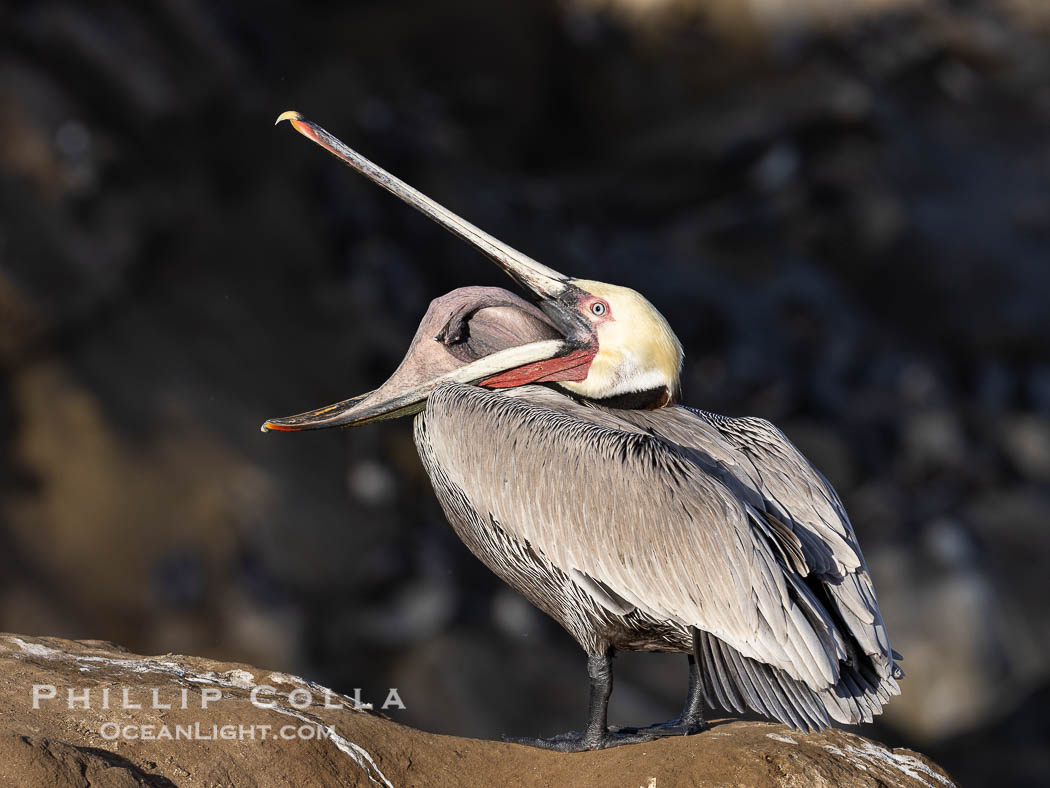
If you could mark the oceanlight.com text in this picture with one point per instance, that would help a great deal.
(197, 732)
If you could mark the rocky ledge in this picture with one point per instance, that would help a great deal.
(87, 713)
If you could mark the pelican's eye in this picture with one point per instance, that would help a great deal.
(598, 308)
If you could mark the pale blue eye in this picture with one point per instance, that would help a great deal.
(598, 309)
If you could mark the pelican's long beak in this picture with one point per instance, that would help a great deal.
(545, 282)
(561, 354)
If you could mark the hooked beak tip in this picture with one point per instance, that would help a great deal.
(290, 115)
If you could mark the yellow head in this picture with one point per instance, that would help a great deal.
(637, 350)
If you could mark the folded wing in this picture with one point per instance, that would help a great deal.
(692, 519)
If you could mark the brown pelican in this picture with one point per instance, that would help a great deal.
(554, 443)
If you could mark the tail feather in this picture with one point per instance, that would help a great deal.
(732, 680)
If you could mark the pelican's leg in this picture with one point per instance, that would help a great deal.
(692, 716)
(597, 736)
(691, 720)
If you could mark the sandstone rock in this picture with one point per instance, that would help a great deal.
(80, 713)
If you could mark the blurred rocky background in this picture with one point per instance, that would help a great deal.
(842, 207)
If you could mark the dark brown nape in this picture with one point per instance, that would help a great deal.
(650, 399)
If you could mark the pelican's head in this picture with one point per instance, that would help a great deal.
(638, 356)
(597, 341)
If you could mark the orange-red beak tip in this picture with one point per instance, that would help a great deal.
(269, 426)
(299, 123)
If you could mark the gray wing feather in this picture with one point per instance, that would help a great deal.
(688, 554)
(795, 495)
(790, 483)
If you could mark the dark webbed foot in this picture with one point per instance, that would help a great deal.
(675, 727)
(574, 741)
